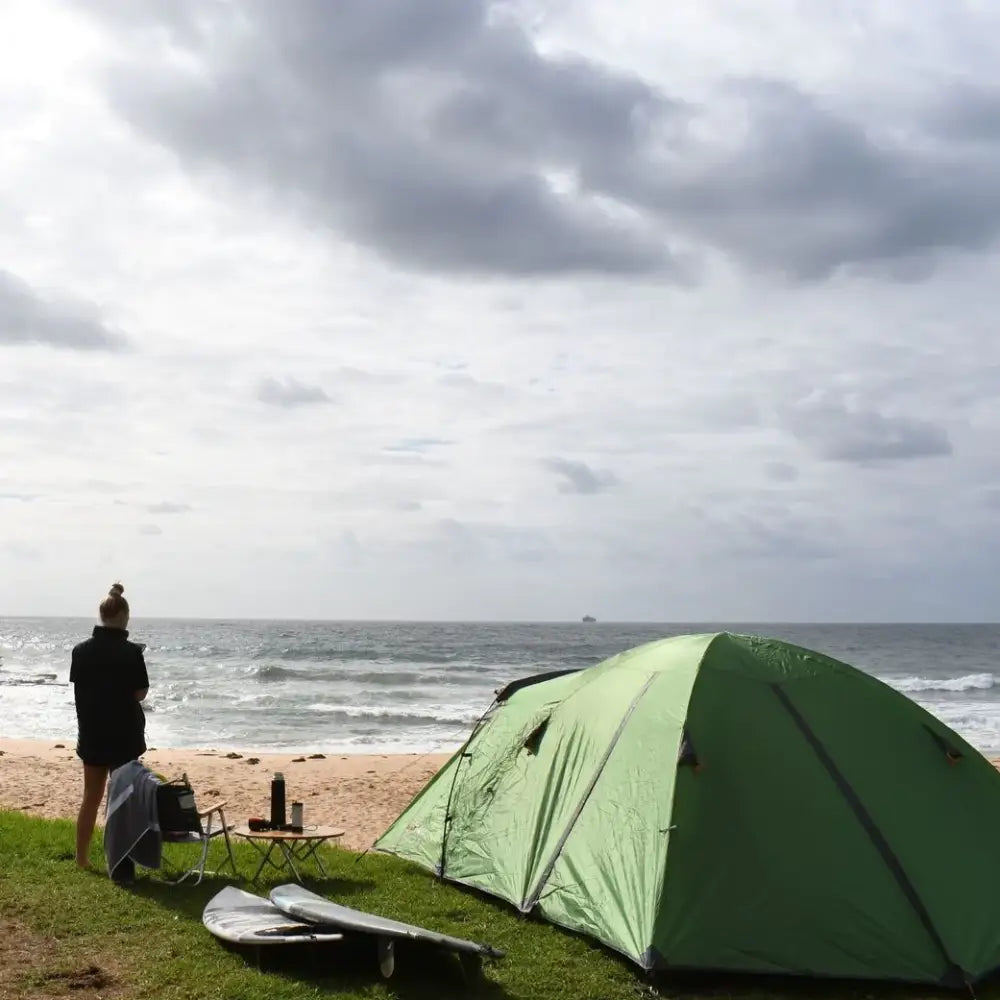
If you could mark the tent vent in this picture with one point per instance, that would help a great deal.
(687, 755)
(951, 753)
(534, 740)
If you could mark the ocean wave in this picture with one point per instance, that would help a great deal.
(969, 682)
(454, 675)
(29, 680)
(443, 715)
(272, 672)
(359, 654)
(463, 674)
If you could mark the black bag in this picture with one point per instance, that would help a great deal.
(175, 806)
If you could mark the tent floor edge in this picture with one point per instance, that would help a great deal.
(954, 980)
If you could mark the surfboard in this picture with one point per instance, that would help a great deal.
(243, 918)
(303, 904)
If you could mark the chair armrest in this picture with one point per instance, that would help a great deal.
(214, 807)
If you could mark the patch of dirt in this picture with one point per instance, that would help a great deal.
(36, 967)
(91, 978)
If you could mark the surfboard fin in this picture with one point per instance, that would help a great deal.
(386, 956)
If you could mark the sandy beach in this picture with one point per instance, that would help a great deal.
(361, 793)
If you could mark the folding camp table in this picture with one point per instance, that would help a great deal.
(291, 847)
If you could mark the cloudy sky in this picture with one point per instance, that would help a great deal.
(521, 310)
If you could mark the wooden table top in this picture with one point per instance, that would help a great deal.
(309, 833)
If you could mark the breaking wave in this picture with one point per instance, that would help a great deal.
(970, 682)
(446, 715)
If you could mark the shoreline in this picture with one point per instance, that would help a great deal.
(363, 793)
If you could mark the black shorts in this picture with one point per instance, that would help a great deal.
(105, 758)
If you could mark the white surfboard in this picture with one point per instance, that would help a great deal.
(243, 918)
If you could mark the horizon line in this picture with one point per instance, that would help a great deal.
(516, 621)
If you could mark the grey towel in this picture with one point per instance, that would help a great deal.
(131, 818)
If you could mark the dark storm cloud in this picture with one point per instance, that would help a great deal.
(431, 134)
(344, 111)
(578, 477)
(289, 393)
(836, 433)
(27, 317)
(805, 189)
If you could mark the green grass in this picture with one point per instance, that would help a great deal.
(149, 937)
(72, 930)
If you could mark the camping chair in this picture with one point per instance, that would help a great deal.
(182, 822)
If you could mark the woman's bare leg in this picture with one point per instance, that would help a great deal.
(95, 778)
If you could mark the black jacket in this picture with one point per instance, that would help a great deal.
(106, 671)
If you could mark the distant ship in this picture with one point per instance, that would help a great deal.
(589, 618)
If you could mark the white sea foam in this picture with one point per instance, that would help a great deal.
(968, 682)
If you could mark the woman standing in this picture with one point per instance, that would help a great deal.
(108, 674)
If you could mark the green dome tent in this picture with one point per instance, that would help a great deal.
(727, 802)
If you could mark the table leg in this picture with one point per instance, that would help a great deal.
(290, 858)
(264, 859)
(308, 850)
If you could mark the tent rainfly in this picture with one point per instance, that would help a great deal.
(726, 802)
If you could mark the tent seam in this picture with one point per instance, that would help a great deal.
(529, 902)
(882, 846)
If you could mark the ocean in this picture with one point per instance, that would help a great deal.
(398, 687)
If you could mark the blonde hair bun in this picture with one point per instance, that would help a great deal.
(116, 590)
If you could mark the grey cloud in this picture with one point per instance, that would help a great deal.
(767, 532)
(578, 477)
(807, 190)
(756, 537)
(166, 507)
(289, 393)
(150, 529)
(389, 456)
(463, 543)
(442, 138)
(360, 376)
(731, 411)
(355, 113)
(28, 317)
(104, 486)
(838, 433)
(417, 445)
(461, 380)
(968, 113)
(781, 472)
(22, 497)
